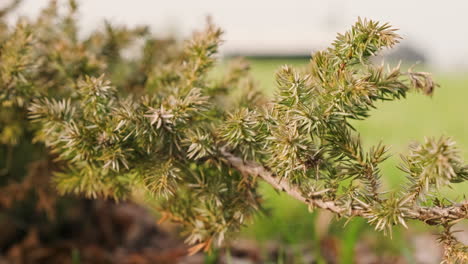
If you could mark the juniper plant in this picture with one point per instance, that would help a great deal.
(158, 127)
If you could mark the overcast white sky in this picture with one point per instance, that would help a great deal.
(439, 28)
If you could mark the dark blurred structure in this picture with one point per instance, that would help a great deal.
(404, 52)
(407, 52)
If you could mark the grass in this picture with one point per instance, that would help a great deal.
(396, 124)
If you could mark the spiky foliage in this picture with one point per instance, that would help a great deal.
(159, 127)
(455, 252)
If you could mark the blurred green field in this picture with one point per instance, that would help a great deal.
(396, 124)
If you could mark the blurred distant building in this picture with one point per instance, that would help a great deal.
(407, 53)
(300, 46)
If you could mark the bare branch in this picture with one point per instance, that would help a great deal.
(429, 215)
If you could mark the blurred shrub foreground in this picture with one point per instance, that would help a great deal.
(39, 227)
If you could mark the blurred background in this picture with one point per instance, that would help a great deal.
(274, 33)
(435, 30)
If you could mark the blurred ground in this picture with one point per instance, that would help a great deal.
(95, 231)
(91, 231)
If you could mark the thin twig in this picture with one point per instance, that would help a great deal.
(429, 215)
